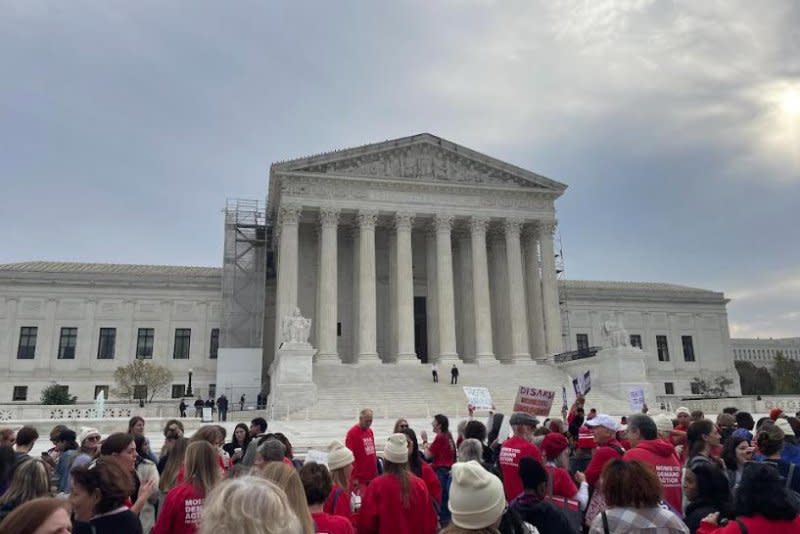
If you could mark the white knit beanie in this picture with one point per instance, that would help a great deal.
(86, 432)
(477, 499)
(339, 456)
(663, 422)
(396, 449)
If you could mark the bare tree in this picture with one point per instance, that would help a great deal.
(156, 378)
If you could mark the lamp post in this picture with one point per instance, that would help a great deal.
(189, 389)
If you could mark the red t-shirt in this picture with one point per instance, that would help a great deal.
(432, 482)
(331, 524)
(181, 511)
(563, 486)
(382, 510)
(343, 507)
(362, 443)
(756, 524)
(442, 451)
(602, 455)
(511, 452)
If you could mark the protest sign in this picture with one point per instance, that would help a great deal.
(583, 384)
(534, 401)
(636, 399)
(478, 397)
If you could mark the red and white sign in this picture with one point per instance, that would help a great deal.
(534, 401)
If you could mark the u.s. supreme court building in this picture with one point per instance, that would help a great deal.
(403, 253)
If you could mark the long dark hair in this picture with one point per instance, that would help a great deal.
(414, 461)
(694, 437)
(400, 471)
(246, 435)
(444, 428)
(729, 452)
(713, 488)
(762, 492)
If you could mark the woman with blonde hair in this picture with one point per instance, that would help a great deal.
(184, 503)
(173, 465)
(340, 464)
(31, 480)
(286, 477)
(249, 505)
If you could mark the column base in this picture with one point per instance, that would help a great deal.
(486, 360)
(369, 357)
(448, 359)
(407, 358)
(331, 357)
(522, 357)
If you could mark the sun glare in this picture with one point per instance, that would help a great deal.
(790, 101)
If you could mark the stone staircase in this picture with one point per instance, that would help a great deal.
(407, 390)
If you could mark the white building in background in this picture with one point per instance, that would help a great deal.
(407, 251)
(761, 352)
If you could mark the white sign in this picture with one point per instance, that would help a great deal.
(207, 415)
(478, 398)
(534, 400)
(319, 457)
(636, 399)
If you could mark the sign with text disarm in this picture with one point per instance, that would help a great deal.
(534, 401)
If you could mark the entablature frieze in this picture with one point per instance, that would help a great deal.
(423, 199)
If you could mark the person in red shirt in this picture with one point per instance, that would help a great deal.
(604, 429)
(514, 448)
(657, 453)
(340, 464)
(317, 484)
(361, 441)
(183, 505)
(442, 455)
(397, 502)
(423, 469)
(556, 455)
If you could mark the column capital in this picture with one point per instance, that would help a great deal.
(478, 224)
(329, 216)
(289, 214)
(403, 220)
(366, 219)
(443, 222)
(546, 228)
(512, 227)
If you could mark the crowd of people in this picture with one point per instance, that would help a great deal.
(585, 472)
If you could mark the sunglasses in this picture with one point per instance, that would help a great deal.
(93, 438)
(402, 426)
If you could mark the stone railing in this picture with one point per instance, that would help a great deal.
(576, 354)
(85, 411)
(755, 404)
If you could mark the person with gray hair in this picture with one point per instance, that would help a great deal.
(657, 453)
(271, 450)
(470, 449)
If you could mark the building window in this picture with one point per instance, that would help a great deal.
(107, 343)
(636, 340)
(212, 390)
(140, 392)
(20, 393)
(144, 343)
(662, 348)
(98, 389)
(67, 342)
(695, 388)
(583, 341)
(182, 338)
(178, 391)
(27, 342)
(688, 348)
(669, 388)
(214, 345)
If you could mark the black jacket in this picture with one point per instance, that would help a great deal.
(541, 514)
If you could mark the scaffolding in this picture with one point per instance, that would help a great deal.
(562, 293)
(244, 272)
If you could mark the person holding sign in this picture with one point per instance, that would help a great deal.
(514, 449)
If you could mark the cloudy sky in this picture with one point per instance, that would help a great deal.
(125, 125)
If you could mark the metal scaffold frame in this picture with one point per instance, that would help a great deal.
(561, 275)
(244, 270)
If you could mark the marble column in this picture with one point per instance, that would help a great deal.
(327, 283)
(431, 301)
(516, 293)
(480, 289)
(367, 297)
(405, 289)
(552, 309)
(444, 283)
(533, 292)
(288, 247)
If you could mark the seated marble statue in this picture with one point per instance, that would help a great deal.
(615, 334)
(295, 328)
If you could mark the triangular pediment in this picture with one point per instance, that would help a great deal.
(423, 157)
